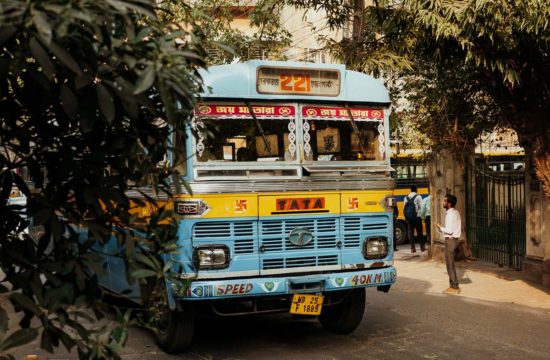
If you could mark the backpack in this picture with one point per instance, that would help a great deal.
(410, 209)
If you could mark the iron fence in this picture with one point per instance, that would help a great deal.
(495, 214)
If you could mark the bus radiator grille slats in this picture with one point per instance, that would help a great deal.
(274, 234)
(280, 253)
(305, 261)
(269, 238)
(242, 234)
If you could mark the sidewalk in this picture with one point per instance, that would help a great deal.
(477, 280)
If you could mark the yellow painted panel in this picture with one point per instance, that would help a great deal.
(401, 193)
(289, 204)
(363, 201)
(228, 205)
(405, 191)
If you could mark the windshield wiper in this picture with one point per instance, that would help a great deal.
(356, 130)
(251, 111)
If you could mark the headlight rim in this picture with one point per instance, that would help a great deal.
(379, 255)
(212, 247)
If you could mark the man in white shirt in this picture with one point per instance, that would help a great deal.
(452, 232)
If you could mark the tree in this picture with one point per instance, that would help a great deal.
(223, 39)
(499, 49)
(506, 46)
(90, 91)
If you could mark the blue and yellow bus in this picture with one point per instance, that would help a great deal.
(410, 169)
(290, 201)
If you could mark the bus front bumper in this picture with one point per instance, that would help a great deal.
(276, 286)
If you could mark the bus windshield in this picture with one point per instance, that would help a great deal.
(344, 140)
(246, 140)
(242, 139)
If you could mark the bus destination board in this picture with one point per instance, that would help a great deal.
(279, 80)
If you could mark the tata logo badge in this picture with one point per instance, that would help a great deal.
(300, 236)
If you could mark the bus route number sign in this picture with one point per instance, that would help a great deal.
(306, 304)
(321, 82)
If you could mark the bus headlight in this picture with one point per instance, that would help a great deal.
(375, 247)
(211, 257)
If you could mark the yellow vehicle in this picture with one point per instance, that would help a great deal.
(410, 169)
(292, 199)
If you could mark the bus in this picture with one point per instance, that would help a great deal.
(410, 169)
(504, 160)
(289, 198)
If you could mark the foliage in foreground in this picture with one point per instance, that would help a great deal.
(462, 66)
(89, 92)
(224, 39)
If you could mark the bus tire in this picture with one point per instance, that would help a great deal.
(345, 316)
(174, 328)
(400, 233)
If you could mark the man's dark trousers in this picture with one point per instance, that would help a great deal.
(428, 223)
(451, 244)
(416, 225)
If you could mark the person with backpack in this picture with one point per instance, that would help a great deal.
(411, 209)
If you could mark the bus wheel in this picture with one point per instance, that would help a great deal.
(174, 328)
(400, 233)
(345, 316)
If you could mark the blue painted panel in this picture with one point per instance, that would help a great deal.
(269, 286)
(104, 277)
(355, 229)
(238, 81)
(240, 236)
(279, 253)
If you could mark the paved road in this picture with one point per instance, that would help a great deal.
(396, 325)
(497, 316)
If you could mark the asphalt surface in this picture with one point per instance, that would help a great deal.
(498, 315)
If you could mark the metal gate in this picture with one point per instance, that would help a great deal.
(495, 213)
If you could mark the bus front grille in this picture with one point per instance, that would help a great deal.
(277, 252)
(297, 262)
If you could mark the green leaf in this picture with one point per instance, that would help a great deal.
(144, 259)
(82, 80)
(143, 273)
(106, 103)
(3, 321)
(145, 80)
(42, 25)
(64, 57)
(18, 338)
(25, 302)
(67, 340)
(6, 33)
(69, 101)
(42, 57)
